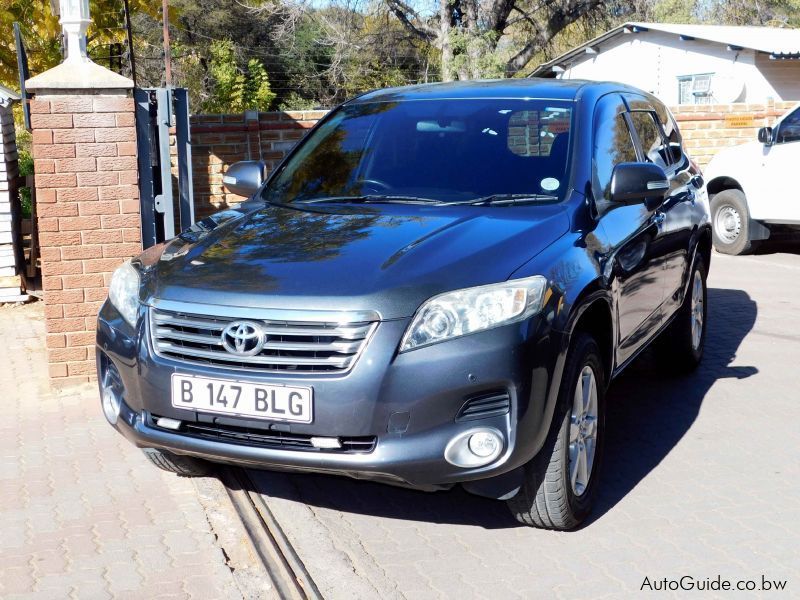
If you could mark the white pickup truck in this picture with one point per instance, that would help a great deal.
(754, 189)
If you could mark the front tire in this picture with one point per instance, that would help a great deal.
(184, 466)
(561, 480)
(730, 221)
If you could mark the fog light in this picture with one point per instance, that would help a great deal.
(475, 447)
(168, 423)
(484, 443)
(111, 405)
(326, 443)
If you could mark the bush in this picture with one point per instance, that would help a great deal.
(25, 169)
(25, 202)
(25, 162)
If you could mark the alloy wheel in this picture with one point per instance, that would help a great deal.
(698, 310)
(583, 431)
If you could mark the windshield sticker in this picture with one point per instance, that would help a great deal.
(550, 184)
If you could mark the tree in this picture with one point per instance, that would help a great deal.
(40, 29)
(41, 32)
(343, 47)
(236, 90)
(466, 32)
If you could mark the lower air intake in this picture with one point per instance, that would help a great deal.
(488, 404)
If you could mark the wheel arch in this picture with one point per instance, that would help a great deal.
(594, 315)
(705, 243)
(722, 183)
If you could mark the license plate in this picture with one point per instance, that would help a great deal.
(240, 398)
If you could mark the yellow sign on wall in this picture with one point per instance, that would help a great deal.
(740, 121)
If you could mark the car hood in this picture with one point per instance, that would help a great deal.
(384, 258)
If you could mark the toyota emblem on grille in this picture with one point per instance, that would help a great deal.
(243, 338)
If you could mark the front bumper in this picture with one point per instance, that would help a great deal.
(408, 402)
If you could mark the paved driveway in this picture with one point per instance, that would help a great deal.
(702, 479)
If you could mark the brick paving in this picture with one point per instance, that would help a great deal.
(701, 479)
(82, 513)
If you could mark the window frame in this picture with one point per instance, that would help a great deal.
(691, 79)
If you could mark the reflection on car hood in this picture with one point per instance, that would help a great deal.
(387, 258)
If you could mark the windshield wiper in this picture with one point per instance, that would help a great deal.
(502, 199)
(373, 199)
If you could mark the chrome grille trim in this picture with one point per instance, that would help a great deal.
(303, 347)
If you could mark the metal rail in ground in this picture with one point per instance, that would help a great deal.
(289, 576)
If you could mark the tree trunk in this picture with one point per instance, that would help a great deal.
(445, 16)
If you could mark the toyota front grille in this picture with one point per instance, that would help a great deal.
(283, 346)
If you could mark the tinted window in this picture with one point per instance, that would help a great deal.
(441, 149)
(531, 133)
(646, 125)
(668, 124)
(790, 128)
(612, 144)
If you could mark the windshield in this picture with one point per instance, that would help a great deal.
(443, 150)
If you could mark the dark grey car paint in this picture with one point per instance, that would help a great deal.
(389, 259)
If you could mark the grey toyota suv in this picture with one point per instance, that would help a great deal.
(435, 287)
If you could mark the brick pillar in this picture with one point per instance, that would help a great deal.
(84, 149)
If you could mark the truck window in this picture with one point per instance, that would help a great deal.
(790, 128)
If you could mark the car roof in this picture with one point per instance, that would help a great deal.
(550, 89)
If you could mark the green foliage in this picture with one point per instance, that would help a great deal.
(294, 101)
(25, 202)
(25, 162)
(41, 32)
(236, 90)
(474, 55)
(25, 168)
(675, 11)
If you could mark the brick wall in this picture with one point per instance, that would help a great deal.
(707, 128)
(220, 140)
(84, 149)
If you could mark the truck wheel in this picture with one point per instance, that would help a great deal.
(561, 480)
(175, 463)
(680, 347)
(731, 223)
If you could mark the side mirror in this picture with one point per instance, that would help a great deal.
(634, 183)
(765, 136)
(244, 178)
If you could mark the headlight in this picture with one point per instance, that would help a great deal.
(469, 310)
(123, 292)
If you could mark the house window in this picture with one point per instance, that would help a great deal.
(695, 89)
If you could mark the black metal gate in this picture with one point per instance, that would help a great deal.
(158, 110)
